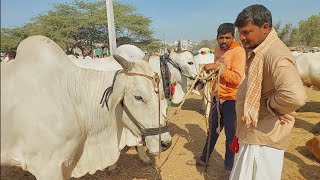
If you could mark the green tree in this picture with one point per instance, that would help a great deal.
(308, 32)
(11, 37)
(205, 43)
(285, 33)
(84, 23)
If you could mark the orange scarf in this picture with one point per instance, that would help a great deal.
(219, 53)
(234, 44)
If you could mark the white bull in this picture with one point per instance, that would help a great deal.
(52, 124)
(308, 65)
(181, 68)
(132, 53)
(110, 64)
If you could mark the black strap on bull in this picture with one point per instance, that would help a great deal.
(165, 74)
(109, 90)
(143, 130)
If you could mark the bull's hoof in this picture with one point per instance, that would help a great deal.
(148, 162)
(113, 167)
(113, 170)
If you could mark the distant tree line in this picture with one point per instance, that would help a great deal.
(306, 34)
(83, 24)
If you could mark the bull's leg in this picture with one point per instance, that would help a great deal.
(113, 167)
(143, 155)
(60, 164)
(204, 104)
(50, 171)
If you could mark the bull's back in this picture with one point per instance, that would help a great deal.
(308, 65)
(37, 116)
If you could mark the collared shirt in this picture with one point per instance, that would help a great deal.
(234, 61)
(282, 92)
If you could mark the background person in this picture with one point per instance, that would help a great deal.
(232, 56)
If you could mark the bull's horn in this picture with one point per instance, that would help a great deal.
(147, 56)
(179, 47)
(126, 65)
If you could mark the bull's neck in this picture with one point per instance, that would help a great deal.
(86, 87)
(101, 129)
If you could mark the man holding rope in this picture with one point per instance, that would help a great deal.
(267, 98)
(231, 57)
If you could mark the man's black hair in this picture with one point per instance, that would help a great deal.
(256, 14)
(226, 28)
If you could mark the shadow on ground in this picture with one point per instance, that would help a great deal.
(303, 125)
(312, 106)
(129, 167)
(195, 137)
(310, 172)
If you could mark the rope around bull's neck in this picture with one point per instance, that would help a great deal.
(214, 78)
(214, 75)
(108, 91)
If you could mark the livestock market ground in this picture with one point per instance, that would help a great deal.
(188, 131)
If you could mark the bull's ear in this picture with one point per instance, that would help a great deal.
(147, 56)
(126, 65)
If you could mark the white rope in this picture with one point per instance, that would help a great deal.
(213, 76)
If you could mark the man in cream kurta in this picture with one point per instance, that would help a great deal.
(267, 98)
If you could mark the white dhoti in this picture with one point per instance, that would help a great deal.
(255, 162)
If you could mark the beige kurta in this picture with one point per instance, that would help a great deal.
(282, 92)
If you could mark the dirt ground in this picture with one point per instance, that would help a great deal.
(188, 132)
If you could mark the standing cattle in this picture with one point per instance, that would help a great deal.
(110, 64)
(308, 65)
(181, 67)
(52, 123)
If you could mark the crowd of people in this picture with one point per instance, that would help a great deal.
(8, 56)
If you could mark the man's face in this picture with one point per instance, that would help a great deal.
(251, 35)
(225, 41)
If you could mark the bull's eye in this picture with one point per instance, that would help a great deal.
(190, 63)
(139, 98)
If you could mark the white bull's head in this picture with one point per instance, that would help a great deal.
(140, 102)
(184, 59)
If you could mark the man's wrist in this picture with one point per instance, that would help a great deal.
(272, 111)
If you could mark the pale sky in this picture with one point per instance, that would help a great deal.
(172, 19)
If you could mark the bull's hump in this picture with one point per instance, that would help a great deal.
(40, 48)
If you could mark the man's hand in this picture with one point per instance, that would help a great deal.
(219, 60)
(209, 67)
(287, 118)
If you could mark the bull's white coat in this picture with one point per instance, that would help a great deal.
(130, 53)
(308, 65)
(52, 124)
